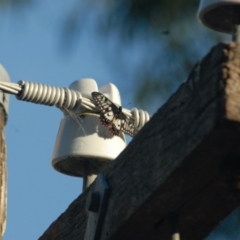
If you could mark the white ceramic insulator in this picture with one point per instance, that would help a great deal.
(140, 117)
(49, 95)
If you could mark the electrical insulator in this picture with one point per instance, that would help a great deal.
(220, 15)
(84, 146)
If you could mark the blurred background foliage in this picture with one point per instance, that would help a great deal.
(165, 38)
(15, 4)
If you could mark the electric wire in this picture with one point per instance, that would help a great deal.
(65, 98)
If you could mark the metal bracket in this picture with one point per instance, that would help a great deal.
(97, 205)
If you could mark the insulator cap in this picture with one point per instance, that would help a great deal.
(85, 147)
(219, 15)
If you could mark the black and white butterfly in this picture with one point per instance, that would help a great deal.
(112, 116)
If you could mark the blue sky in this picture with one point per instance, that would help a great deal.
(30, 50)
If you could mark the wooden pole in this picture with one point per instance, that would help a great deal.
(3, 175)
(185, 160)
(4, 102)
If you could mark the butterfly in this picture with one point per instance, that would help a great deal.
(112, 116)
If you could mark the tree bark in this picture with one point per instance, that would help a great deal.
(186, 161)
(3, 174)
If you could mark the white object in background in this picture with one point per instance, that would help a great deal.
(83, 147)
(219, 15)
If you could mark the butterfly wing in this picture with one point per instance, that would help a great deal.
(118, 124)
(128, 127)
(109, 112)
(123, 124)
(108, 109)
(112, 116)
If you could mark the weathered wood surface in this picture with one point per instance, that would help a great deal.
(185, 160)
(3, 174)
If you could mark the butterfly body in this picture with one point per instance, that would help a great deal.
(112, 116)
